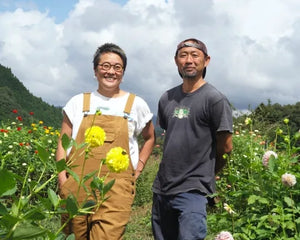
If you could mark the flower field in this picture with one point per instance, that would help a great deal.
(30, 207)
(258, 193)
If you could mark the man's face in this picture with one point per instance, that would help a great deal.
(191, 62)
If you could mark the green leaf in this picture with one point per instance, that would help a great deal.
(88, 176)
(61, 165)
(289, 201)
(74, 175)
(7, 187)
(252, 199)
(89, 204)
(34, 214)
(272, 163)
(27, 231)
(71, 237)
(263, 200)
(71, 205)
(53, 197)
(43, 154)
(108, 186)
(66, 142)
(3, 209)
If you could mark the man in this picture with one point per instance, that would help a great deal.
(197, 119)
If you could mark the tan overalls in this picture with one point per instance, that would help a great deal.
(109, 222)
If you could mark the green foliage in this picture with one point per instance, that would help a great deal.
(264, 207)
(268, 117)
(13, 95)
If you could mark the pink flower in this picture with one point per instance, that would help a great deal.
(224, 236)
(266, 157)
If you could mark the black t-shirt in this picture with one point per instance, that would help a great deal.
(191, 122)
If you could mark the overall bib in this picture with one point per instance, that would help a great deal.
(109, 222)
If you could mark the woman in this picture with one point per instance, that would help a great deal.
(123, 117)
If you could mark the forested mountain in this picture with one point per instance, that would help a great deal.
(17, 101)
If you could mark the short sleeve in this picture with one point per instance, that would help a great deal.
(142, 114)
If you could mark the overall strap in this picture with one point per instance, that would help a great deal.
(86, 102)
(128, 106)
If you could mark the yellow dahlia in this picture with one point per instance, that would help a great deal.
(94, 136)
(117, 159)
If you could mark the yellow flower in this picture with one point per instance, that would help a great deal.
(41, 122)
(117, 159)
(286, 120)
(94, 136)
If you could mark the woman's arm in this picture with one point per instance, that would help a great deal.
(148, 135)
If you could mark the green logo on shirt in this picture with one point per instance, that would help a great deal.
(181, 112)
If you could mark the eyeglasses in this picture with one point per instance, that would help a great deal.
(107, 66)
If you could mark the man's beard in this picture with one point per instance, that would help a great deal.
(190, 76)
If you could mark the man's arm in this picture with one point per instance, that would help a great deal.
(224, 146)
(148, 135)
(66, 128)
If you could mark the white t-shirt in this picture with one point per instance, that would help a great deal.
(140, 115)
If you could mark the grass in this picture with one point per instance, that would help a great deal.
(139, 226)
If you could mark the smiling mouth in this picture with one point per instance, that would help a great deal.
(188, 68)
(109, 79)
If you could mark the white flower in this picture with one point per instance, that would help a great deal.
(266, 157)
(224, 235)
(288, 179)
(24, 164)
(228, 208)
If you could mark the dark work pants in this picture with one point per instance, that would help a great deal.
(179, 217)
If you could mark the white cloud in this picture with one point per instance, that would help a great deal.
(254, 47)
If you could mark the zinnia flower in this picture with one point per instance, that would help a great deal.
(94, 136)
(288, 179)
(228, 208)
(248, 121)
(266, 157)
(224, 236)
(117, 159)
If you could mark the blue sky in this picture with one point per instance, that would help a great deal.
(254, 45)
(57, 9)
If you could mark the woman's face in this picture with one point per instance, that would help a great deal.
(109, 71)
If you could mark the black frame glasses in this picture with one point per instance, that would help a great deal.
(106, 66)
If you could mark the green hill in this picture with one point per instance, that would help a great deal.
(14, 96)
